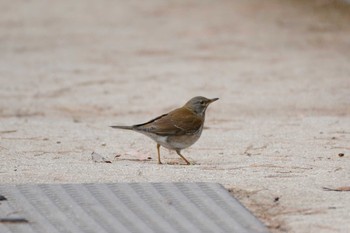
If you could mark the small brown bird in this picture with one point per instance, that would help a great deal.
(177, 129)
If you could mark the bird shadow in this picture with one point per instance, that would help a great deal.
(149, 159)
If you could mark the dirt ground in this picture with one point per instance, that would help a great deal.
(70, 69)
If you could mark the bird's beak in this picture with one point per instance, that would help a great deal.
(212, 100)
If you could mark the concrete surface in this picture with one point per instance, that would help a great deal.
(69, 69)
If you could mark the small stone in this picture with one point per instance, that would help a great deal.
(97, 158)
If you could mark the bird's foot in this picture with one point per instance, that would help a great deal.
(193, 163)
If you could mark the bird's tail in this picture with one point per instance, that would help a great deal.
(122, 127)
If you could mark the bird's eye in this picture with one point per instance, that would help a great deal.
(202, 102)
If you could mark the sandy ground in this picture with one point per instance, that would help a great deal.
(69, 69)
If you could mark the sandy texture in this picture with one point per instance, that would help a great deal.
(69, 69)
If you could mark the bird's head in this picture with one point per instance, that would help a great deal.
(199, 104)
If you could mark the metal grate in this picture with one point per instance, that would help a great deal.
(123, 207)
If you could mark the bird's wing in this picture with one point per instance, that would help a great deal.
(149, 123)
(178, 122)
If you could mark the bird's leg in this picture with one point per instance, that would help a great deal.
(158, 146)
(178, 152)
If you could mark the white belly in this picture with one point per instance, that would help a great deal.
(176, 142)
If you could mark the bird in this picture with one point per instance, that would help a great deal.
(178, 129)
